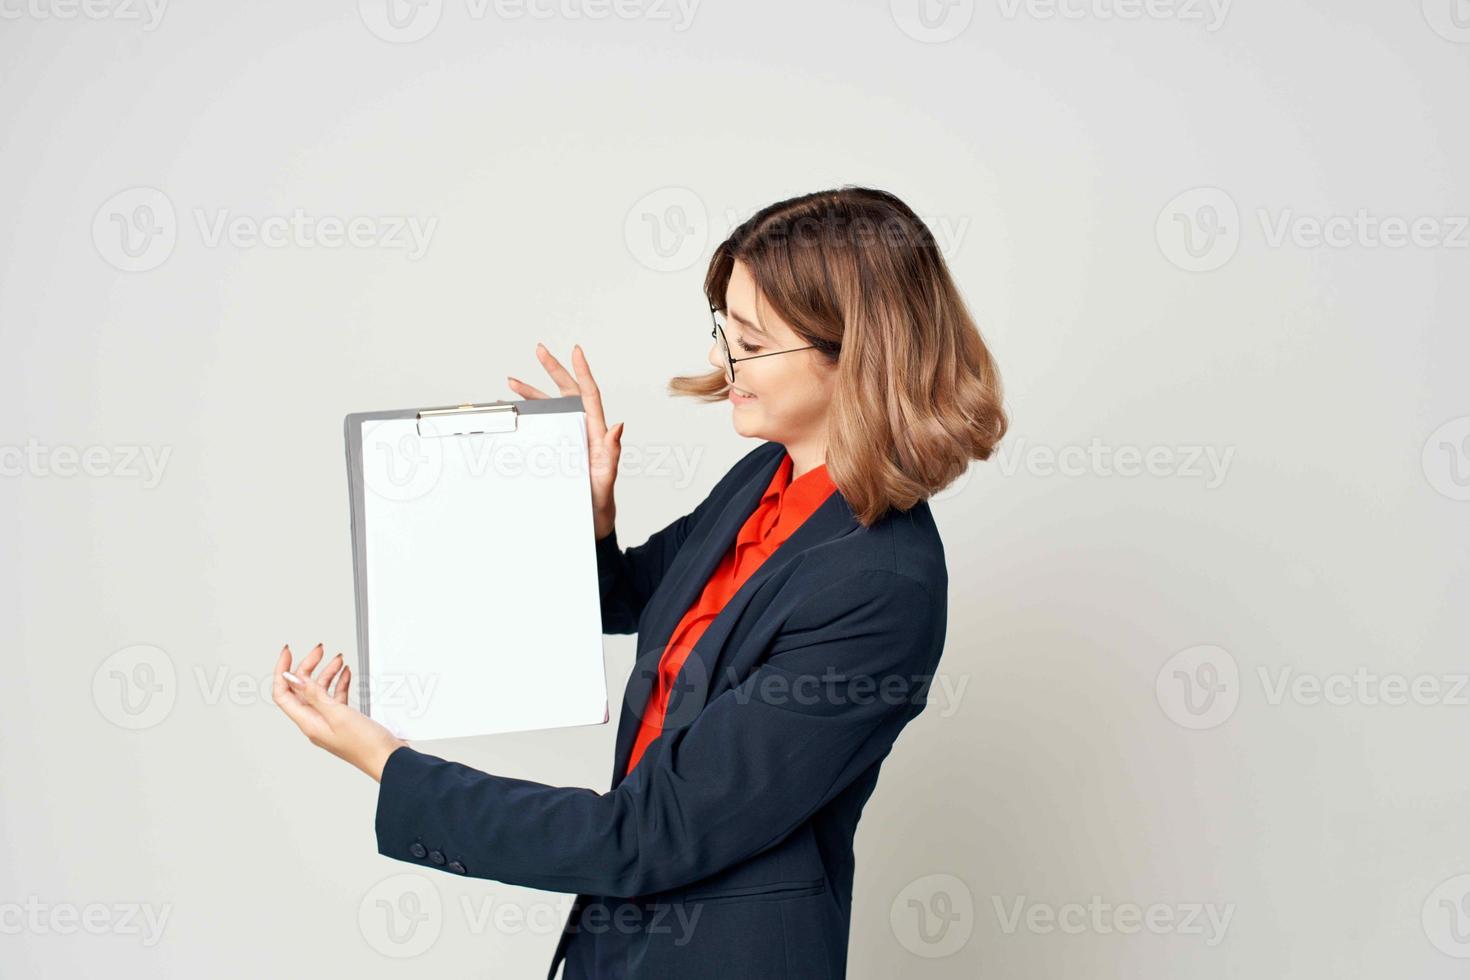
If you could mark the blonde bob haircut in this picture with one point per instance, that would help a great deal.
(858, 275)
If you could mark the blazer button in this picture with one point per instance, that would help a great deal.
(456, 867)
(417, 850)
(437, 857)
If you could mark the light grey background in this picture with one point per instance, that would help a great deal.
(1108, 184)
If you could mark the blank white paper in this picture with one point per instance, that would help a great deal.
(482, 597)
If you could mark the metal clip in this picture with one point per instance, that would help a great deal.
(464, 420)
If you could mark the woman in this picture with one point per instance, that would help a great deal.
(789, 626)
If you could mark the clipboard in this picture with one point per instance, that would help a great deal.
(474, 568)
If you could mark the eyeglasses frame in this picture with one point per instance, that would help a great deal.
(717, 332)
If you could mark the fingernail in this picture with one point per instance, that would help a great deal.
(317, 647)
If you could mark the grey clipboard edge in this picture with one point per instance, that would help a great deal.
(352, 434)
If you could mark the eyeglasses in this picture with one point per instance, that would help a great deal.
(718, 332)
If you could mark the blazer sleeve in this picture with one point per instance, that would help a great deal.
(626, 578)
(850, 668)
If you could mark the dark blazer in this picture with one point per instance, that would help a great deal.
(727, 852)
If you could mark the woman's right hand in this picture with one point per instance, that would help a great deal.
(604, 445)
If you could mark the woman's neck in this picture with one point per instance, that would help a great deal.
(805, 458)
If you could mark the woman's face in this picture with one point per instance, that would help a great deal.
(790, 393)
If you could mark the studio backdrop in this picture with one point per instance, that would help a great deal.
(1203, 697)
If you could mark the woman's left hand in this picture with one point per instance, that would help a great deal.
(323, 715)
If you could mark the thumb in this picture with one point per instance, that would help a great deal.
(304, 689)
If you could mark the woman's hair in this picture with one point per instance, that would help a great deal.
(857, 274)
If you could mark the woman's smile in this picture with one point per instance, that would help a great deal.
(739, 397)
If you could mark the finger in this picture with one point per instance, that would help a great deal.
(307, 692)
(591, 395)
(344, 682)
(278, 683)
(309, 664)
(306, 718)
(564, 381)
(316, 697)
(614, 443)
(610, 450)
(324, 678)
(524, 390)
(603, 456)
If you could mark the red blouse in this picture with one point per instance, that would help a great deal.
(784, 507)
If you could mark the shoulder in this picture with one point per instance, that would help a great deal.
(887, 582)
(886, 585)
(904, 545)
(869, 620)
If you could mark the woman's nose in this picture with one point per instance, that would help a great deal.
(715, 360)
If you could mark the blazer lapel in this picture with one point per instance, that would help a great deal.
(830, 520)
(685, 580)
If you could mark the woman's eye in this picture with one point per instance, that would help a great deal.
(746, 347)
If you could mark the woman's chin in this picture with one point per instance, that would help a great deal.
(744, 424)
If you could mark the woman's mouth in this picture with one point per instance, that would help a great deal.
(740, 397)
